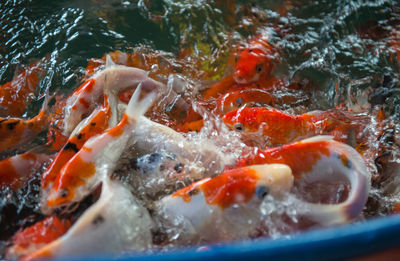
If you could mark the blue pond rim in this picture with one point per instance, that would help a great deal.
(333, 243)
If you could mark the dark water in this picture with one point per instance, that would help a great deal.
(341, 47)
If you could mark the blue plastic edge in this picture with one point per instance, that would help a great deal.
(334, 243)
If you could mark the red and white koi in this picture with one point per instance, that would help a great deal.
(16, 131)
(225, 207)
(97, 158)
(36, 236)
(14, 171)
(100, 120)
(114, 224)
(320, 159)
(115, 78)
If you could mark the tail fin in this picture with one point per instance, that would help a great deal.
(136, 108)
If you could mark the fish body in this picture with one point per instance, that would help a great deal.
(115, 223)
(14, 171)
(115, 78)
(96, 159)
(99, 121)
(16, 131)
(225, 207)
(322, 159)
(282, 128)
(157, 174)
(36, 236)
(14, 95)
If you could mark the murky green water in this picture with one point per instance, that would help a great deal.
(341, 48)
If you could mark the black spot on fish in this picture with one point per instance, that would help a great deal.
(79, 136)
(178, 167)
(262, 191)
(71, 146)
(98, 220)
(134, 163)
(3, 120)
(93, 124)
(154, 157)
(11, 125)
(64, 193)
(250, 50)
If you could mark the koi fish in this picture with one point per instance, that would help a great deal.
(97, 158)
(14, 94)
(157, 174)
(238, 98)
(14, 171)
(36, 236)
(254, 62)
(95, 124)
(209, 209)
(16, 131)
(282, 128)
(151, 136)
(117, 218)
(253, 65)
(115, 78)
(322, 159)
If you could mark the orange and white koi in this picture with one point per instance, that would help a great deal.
(115, 78)
(36, 236)
(322, 159)
(97, 158)
(16, 131)
(95, 124)
(117, 218)
(280, 127)
(209, 209)
(14, 171)
(14, 94)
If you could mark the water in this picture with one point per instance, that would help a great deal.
(343, 53)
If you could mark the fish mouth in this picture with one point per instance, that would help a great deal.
(242, 80)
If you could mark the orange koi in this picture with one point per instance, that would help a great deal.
(210, 206)
(253, 66)
(14, 171)
(281, 128)
(14, 95)
(16, 131)
(93, 126)
(322, 159)
(41, 233)
(97, 158)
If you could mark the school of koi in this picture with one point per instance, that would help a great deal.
(148, 182)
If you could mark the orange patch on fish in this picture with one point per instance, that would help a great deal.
(8, 174)
(231, 187)
(119, 129)
(301, 157)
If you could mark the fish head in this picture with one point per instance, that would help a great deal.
(242, 120)
(251, 64)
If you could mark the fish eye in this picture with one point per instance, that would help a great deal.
(239, 101)
(262, 191)
(238, 126)
(259, 68)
